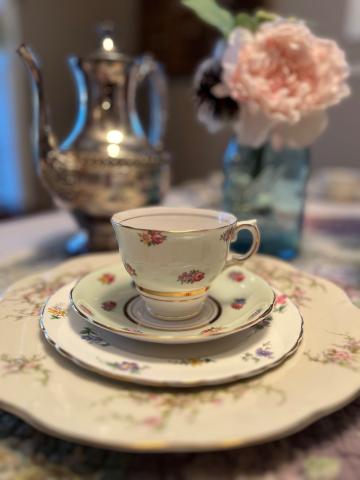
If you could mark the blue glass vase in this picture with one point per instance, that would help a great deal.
(268, 185)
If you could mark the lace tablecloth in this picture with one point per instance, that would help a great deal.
(329, 449)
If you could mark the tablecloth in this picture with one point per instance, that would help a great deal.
(329, 449)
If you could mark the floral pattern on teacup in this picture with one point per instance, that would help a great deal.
(236, 276)
(152, 237)
(227, 235)
(107, 278)
(191, 277)
(130, 270)
(109, 305)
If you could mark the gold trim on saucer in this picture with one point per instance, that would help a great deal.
(156, 293)
(125, 333)
(179, 384)
(164, 383)
(169, 338)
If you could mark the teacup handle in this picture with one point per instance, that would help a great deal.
(236, 258)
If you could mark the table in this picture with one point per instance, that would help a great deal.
(329, 449)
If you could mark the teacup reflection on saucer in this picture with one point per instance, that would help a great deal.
(136, 311)
(238, 299)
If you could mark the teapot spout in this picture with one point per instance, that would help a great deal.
(44, 139)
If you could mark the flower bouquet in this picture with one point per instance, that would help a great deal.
(272, 80)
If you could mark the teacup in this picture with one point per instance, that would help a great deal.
(174, 254)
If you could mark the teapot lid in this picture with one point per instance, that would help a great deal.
(107, 48)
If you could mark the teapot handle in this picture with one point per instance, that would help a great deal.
(144, 67)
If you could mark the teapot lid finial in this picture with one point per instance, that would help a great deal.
(107, 48)
(105, 31)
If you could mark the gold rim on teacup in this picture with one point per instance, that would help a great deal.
(117, 218)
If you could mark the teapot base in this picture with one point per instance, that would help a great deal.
(97, 235)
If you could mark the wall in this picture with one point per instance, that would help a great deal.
(196, 153)
(57, 28)
(18, 183)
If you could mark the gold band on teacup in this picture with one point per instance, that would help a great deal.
(171, 300)
(191, 293)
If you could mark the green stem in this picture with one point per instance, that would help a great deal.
(258, 165)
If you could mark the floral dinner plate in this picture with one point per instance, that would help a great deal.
(234, 357)
(108, 299)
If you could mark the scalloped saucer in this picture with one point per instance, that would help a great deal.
(107, 298)
(235, 357)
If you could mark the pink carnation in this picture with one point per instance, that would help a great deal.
(284, 78)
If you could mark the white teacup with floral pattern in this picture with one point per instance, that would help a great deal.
(174, 254)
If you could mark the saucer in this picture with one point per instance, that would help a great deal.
(107, 298)
(235, 357)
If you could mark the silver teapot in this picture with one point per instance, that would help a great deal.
(107, 163)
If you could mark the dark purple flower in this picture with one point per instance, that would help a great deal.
(212, 109)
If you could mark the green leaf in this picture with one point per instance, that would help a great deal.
(264, 16)
(247, 21)
(210, 12)
(253, 22)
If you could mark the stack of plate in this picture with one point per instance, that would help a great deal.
(246, 328)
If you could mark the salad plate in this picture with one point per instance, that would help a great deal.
(107, 298)
(231, 358)
(56, 396)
